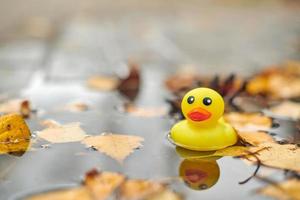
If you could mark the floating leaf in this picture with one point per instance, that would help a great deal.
(14, 134)
(130, 86)
(50, 123)
(76, 107)
(115, 146)
(144, 111)
(20, 106)
(287, 190)
(63, 133)
(229, 151)
(80, 193)
(103, 83)
(255, 137)
(285, 156)
(272, 82)
(287, 109)
(248, 121)
(102, 184)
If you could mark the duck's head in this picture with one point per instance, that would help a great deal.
(202, 106)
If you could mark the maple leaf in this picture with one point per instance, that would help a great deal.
(248, 121)
(57, 133)
(285, 156)
(103, 83)
(116, 146)
(287, 190)
(14, 134)
(287, 109)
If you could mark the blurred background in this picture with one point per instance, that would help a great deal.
(48, 49)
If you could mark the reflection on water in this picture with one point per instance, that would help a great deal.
(198, 170)
(199, 174)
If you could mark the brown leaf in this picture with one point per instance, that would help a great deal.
(272, 82)
(130, 86)
(14, 134)
(145, 111)
(287, 109)
(102, 184)
(255, 137)
(285, 156)
(103, 83)
(248, 121)
(20, 106)
(71, 132)
(287, 190)
(116, 146)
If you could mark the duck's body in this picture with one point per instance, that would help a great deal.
(190, 136)
(204, 128)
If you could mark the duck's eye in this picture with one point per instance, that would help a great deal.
(207, 101)
(191, 99)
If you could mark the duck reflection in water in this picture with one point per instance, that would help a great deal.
(198, 173)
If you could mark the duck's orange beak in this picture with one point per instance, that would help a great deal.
(199, 114)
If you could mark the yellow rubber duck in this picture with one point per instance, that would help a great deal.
(204, 128)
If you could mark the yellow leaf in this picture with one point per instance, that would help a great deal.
(103, 83)
(229, 151)
(287, 109)
(255, 137)
(14, 134)
(286, 190)
(248, 121)
(285, 156)
(115, 146)
(63, 133)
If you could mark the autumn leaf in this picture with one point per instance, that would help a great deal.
(144, 111)
(76, 107)
(116, 146)
(248, 121)
(285, 156)
(287, 109)
(14, 134)
(20, 106)
(229, 151)
(80, 193)
(71, 132)
(287, 190)
(102, 184)
(272, 82)
(103, 83)
(255, 137)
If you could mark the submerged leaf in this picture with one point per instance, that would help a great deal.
(144, 111)
(286, 190)
(76, 107)
(116, 146)
(14, 134)
(62, 133)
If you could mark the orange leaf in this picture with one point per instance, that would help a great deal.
(103, 83)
